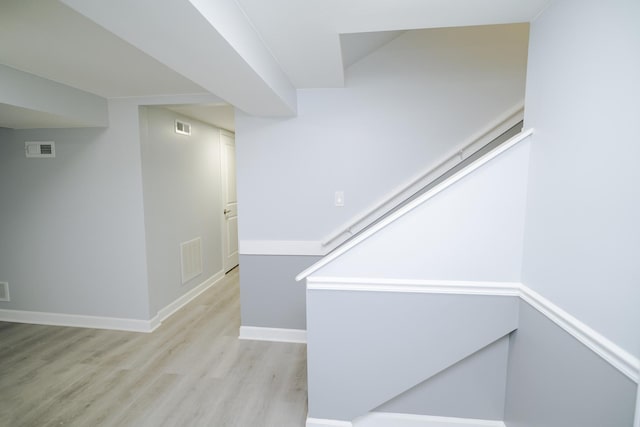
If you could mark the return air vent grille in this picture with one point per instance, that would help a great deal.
(40, 149)
(191, 256)
(183, 128)
(4, 291)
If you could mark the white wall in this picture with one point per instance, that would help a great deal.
(471, 231)
(403, 108)
(72, 228)
(582, 241)
(182, 200)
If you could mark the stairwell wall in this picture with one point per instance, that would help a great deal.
(471, 232)
(582, 240)
(404, 107)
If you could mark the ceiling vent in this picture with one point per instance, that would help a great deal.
(40, 149)
(183, 128)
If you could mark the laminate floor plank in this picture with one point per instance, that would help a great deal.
(191, 371)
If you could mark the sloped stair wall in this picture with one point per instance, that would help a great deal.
(471, 388)
(394, 313)
(374, 345)
(372, 341)
(472, 231)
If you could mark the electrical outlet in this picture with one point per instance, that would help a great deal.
(339, 198)
(4, 291)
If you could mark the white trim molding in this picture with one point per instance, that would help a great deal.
(624, 361)
(273, 334)
(347, 246)
(76, 320)
(387, 419)
(170, 309)
(322, 422)
(282, 247)
(619, 358)
(414, 286)
(112, 323)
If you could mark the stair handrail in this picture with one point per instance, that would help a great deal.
(495, 128)
(348, 245)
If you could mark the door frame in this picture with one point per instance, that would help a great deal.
(223, 182)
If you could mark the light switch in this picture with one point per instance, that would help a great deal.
(339, 198)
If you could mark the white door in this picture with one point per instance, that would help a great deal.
(229, 201)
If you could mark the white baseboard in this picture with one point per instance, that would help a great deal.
(386, 419)
(165, 312)
(113, 323)
(320, 422)
(273, 334)
(76, 320)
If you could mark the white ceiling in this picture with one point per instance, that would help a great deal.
(48, 39)
(310, 43)
(304, 35)
(356, 46)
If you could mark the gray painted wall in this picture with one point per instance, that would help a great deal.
(182, 200)
(269, 295)
(365, 348)
(472, 388)
(6, 134)
(555, 381)
(582, 241)
(72, 228)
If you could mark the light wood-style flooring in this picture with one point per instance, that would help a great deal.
(192, 371)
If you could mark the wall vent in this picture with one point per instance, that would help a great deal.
(4, 291)
(183, 128)
(40, 149)
(191, 256)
